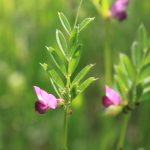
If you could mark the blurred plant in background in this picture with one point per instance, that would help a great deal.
(131, 81)
(25, 28)
(118, 9)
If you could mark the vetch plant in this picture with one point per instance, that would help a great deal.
(69, 90)
(132, 79)
(116, 10)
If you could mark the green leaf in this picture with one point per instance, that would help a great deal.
(65, 22)
(82, 73)
(131, 94)
(120, 72)
(75, 59)
(73, 41)
(84, 23)
(139, 90)
(142, 36)
(127, 65)
(57, 60)
(74, 91)
(147, 59)
(56, 87)
(146, 82)
(86, 83)
(53, 75)
(145, 72)
(148, 45)
(119, 86)
(146, 95)
(62, 43)
(136, 54)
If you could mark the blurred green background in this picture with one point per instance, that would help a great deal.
(26, 27)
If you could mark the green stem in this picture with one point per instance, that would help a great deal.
(97, 6)
(107, 58)
(64, 141)
(123, 131)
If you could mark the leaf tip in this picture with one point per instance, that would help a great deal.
(95, 79)
(92, 18)
(93, 64)
(47, 47)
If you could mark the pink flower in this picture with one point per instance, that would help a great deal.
(118, 9)
(111, 97)
(45, 101)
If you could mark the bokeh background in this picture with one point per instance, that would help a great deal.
(26, 27)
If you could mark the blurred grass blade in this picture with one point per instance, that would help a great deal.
(146, 95)
(84, 23)
(136, 54)
(127, 65)
(86, 83)
(82, 73)
(62, 43)
(120, 72)
(75, 59)
(145, 72)
(65, 22)
(142, 36)
(73, 41)
(57, 60)
(56, 87)
(119, 86)
(53, 75)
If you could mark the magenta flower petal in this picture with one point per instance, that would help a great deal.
(118, 9)
(49, 100)
(106, 101)
(111, 97)
(40, 107)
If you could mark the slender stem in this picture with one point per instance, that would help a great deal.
(123, 131)
(64, 141)
(78, 13)
(97, 6)
(107, 58)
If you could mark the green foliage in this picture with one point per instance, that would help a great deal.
(119, 86)
(75, 59)
(86, 83)
(142, 36)
(82, 73)
(65, 22)
(84, 23)
(136, 54)
(57, 60)
(73, 41)
(121, 73)
(126, 63)
(133, 82)
(53, 75)
(145, 72)
(69, 91)
(62, 43)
